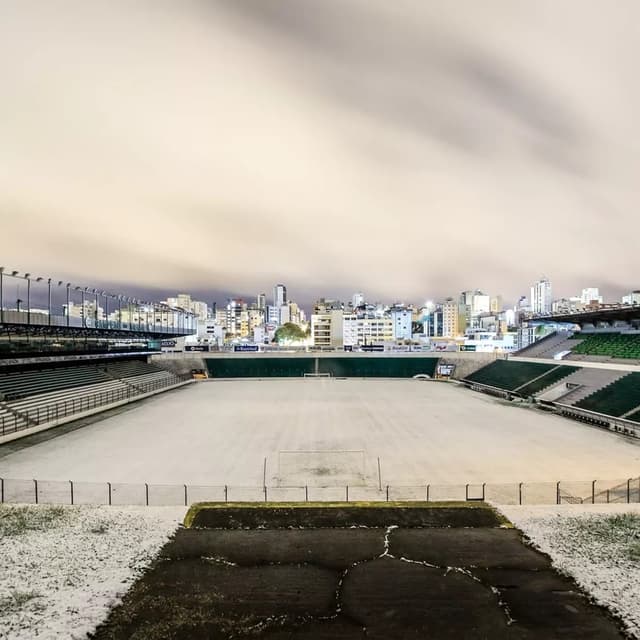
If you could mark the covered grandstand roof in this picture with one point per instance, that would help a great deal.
(609, 316)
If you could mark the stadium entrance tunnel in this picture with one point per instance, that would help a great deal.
(344, 570)
(352, 366)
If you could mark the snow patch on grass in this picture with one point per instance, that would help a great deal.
(597, 545)
(63, 568)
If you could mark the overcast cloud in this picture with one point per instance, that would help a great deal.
(406, 149)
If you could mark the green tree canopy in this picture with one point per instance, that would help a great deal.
(288, 332)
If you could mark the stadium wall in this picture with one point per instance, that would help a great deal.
(362, 365)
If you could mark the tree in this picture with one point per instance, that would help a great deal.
(289, 332)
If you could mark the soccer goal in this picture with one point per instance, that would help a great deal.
(321, 468)
(316, 375)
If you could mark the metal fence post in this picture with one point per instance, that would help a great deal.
(71, 490)
(226, 493)
(628, 490)
(558, 493)
(1, 489)
(387, 493)
(146, 493)
(185, 495)
(347, 492)
(593, 492)
(306, 493)
(483, 491)
(265, 493)
(428, 487)
(109, 487)
(35, 486)
(466, 492)
(519, 492)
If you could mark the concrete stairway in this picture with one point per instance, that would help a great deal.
(588, 381)
(548, 347)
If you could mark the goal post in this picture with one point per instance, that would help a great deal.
(315, 467)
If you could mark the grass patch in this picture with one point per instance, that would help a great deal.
(17, 520)
(17, 599)
(621, 531)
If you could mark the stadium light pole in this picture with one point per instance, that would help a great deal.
(95, 296)
(106, 308)
(49, 301)
(68, 301)
(82, 298)
(28, 279)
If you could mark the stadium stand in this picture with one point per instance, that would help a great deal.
(609, 345)
(546, 380)
(617, 399)
(582, 383)
(26, 383)
(12, 418)
(35, 397)
(635, 416)
(33, 402)
(503, 374)
(554, 343)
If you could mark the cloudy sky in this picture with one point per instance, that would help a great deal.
(406, 149)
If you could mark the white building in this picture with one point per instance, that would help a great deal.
(481, 303)
(541, 297)
(631, 298)
(357, 300)
(590, 295)
(366, 331)
(401, 320)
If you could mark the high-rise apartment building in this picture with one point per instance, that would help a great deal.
(451, 318)
(261, 301)
(279, 295)
(327, 328)
(541, 296)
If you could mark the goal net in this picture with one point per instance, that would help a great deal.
(321, 468)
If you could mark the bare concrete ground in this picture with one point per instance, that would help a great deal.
(219, 432)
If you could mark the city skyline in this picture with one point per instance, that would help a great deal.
(213, 147)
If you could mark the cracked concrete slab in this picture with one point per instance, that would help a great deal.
(263, 546)
(478, 547)
(398, 579)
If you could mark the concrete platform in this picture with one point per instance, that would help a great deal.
(414, 571)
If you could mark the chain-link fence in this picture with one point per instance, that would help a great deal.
(112, 493)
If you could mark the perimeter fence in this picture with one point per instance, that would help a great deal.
(112, 493)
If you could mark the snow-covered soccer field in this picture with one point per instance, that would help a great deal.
(220, 432)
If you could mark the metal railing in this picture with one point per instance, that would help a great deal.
(516, 493)
(51, 412)
(613, 423)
